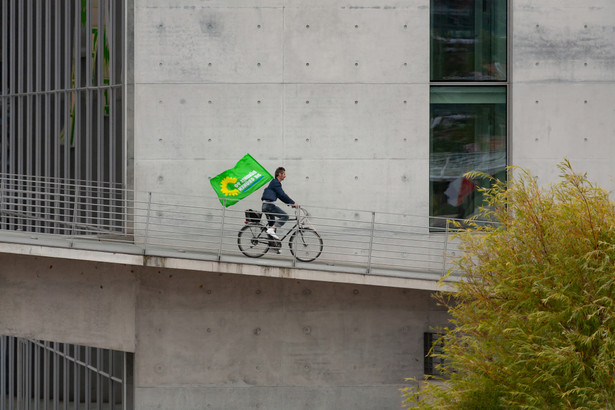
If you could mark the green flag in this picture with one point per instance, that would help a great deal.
(240, 181)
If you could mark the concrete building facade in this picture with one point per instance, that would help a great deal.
(345, 96)
(226, 341)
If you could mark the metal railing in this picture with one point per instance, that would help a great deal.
(37, 374)
(79, 215)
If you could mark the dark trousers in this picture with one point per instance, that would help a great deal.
(272, 211)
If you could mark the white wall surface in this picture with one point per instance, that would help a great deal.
(236, 342)
(76, 302)
(564, 87)
(337, 94)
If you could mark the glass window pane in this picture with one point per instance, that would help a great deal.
(467, 133)
(468, 40)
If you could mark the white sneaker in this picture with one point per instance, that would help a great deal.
(271, 232)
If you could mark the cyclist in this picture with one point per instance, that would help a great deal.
(270, 209)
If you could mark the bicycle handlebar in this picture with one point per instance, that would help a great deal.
(302, 209)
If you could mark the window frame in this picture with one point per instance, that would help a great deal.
(507, 84)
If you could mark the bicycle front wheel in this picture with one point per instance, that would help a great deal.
(305, 244)
(252, 241)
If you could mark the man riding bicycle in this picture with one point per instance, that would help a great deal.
(270, 209)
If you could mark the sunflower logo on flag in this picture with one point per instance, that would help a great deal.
(225, 189)
(237, 183)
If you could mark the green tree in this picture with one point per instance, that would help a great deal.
(533, 323)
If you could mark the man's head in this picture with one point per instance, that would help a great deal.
(280, 173)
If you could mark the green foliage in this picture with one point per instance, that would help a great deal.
(75, 64)
(534, 319)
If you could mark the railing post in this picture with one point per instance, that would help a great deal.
(445, 248)
(371, 243)
(222, 229)
(149, 206)
(128, 382)
(124, 381)
(19, 370)
(74, 227)
(2, 202)
(297, 214)
(4, 357)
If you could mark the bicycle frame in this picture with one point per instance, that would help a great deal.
(249, 244)
(298, 219)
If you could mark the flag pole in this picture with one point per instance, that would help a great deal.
(222, 229)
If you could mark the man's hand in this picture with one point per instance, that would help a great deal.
(295, 205)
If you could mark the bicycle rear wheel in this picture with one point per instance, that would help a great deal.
(305, 244)
(252, 241)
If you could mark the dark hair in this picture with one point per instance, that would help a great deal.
(279, 171)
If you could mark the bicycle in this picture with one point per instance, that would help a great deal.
(305, 243)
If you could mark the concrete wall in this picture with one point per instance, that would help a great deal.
(61, 300)
(337, 94)
(564, 87)
(211, 340)
(223, 341)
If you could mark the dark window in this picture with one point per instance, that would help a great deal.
(468, 104)
(433, 345)
(467, 133)
(468, 40)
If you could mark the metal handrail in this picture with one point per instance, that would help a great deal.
(157, 224)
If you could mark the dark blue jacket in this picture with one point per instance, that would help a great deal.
(274, 191)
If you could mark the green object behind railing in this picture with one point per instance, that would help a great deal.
(106, 78)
